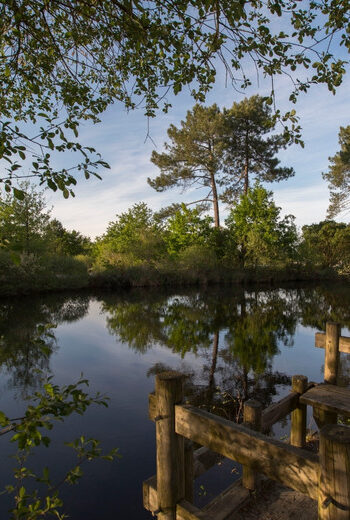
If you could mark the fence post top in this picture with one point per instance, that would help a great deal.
(299, 377)
(169, 375)
(332, 324)
(253, 403)
(336, 433)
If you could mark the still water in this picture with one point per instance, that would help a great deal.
(232, 343)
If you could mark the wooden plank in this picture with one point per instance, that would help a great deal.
(277, 411)
(270, 415)
(292, 466)
(344, 342)
(229, 501)
(187, 511)
(150, 497)
(330, 398)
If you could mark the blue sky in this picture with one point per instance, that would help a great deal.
(120, 137)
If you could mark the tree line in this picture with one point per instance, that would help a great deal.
(228, 153)
(142, 247)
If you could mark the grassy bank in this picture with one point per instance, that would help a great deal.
(148, 276)
(28, 274)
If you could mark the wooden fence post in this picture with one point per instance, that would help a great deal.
(331, 363)
(331, 360)
(298, 426)
(334, 484)
(170, 446)
(251, 419)
(189, 470)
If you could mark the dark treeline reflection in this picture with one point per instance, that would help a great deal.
(236, 331)
(27, 334)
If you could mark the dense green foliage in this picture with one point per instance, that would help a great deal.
(175, 246)
(338, 175)
(327, 244)
(260, 236)
(62, 63)
(37, 253)
(220, 151)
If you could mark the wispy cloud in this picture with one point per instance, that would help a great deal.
(121, 140)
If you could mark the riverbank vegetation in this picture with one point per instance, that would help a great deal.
(177, 245)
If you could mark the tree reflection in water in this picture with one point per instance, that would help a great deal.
(27, 338)
(237, 335)
(236, 332)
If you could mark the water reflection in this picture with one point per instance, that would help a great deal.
(233, 343)
(28, 339)
(236, 332)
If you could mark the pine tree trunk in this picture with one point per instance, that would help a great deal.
(246, 166)
(215, 201)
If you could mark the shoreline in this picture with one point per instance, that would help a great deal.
(149, 277)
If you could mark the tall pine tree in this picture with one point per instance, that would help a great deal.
(220, 151)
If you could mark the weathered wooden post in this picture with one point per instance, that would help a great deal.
(331, 360)
(170, 446)
(189, 470)
(251, 419)
(298, 422)
(334, 484)
(331, 363)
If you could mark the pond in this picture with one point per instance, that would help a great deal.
(231, 342)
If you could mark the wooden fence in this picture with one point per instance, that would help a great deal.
(324, 477)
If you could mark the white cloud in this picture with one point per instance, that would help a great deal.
(121, 140)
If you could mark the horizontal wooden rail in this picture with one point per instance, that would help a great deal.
(291, 466)
(277, 411)
(270, 415)
(187, 511)
(219, 508)
(344, 342)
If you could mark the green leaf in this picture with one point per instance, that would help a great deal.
(19, 194)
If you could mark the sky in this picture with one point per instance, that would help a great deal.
(121, 138)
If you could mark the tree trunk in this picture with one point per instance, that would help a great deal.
(246, 166)
(214, 358)
(215, 200)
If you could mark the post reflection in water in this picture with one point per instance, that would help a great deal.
(233, 343)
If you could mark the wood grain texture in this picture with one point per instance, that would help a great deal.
(170, 446)
(251, 419)
(298, 419)
(344, 342)
(294, 467)
(334, 495)
(187, 511)
(330, 398)
(277, 411)
(149, 491)
(229, 501)
(331, 359)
